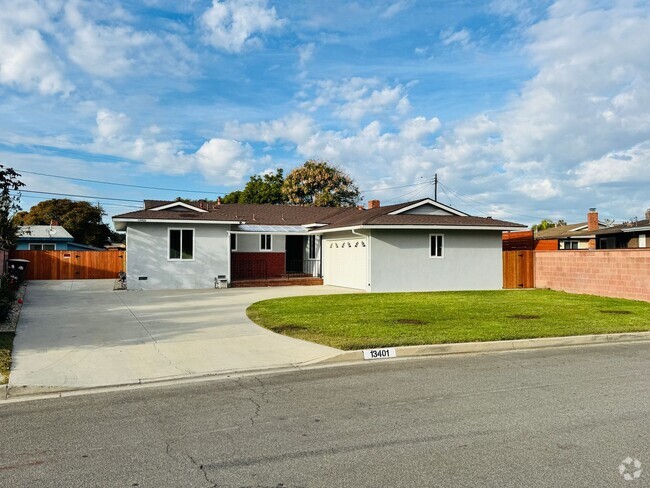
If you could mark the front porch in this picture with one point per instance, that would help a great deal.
(259, 259)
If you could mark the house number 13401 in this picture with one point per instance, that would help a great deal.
(383, 353)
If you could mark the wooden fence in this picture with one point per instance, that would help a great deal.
(72, 265)
(518, 269)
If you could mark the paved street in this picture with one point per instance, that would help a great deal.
(545, 418)
(82, 334)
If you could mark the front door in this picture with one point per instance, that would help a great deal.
(295, 248)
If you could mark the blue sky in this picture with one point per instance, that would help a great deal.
(526, 110)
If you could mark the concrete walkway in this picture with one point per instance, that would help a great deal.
(75, 334)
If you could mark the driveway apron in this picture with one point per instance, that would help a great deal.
(77, 334)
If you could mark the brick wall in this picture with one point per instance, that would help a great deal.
(621, 273)
(253, 265)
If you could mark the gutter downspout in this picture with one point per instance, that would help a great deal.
(228, 247)
(368, 269)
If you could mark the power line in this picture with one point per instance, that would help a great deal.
(80, 196)
(396, 187)
(117, 184)
(100, 201)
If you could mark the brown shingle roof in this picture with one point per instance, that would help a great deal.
(334, 217)
(560, 231)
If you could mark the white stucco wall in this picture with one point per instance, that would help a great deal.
(147, 256)
(399, 261)
(251, 243)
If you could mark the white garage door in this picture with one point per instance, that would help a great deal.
(345, 262)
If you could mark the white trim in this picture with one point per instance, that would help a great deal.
(309, 238)
(636, 229)
(419, 227)
(169, 229)
(442, 246)
(259, 243)
(429, 201)
(178, 221)
(308, 226)
(244, 232)
(177, 204)
(41, 244)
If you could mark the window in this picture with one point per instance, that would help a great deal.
(181, 244)
(312, 247)
(436, 245)
(265, 242)
(42, 247)
(233, 242)
(569, 244)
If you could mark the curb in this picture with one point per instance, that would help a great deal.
(497, 346)
(27, 393)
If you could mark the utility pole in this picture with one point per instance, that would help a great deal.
(435, 187)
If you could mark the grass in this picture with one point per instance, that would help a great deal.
(398, 319)
(6, 345)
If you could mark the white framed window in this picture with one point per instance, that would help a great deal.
(265, 242)
(180, 245)
(436, 245)
(42, 247)
(569, 244)
(311, 245)
(233, 242)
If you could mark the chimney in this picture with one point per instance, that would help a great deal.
(218, 200)
(647, 214)
(54, 223)
(374, 204)
(592, 225)
(592, 219)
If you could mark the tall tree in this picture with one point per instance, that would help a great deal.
(9, 182)
(543, 225)
(320, 184)
(81, 219)
(266, 188)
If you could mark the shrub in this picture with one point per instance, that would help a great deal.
(8, 287)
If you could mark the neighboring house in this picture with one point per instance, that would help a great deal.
(420, 245)
(51, 237)
(630, 235)
(569, 237)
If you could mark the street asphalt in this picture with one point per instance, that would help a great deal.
(76, 334)
(566, 417)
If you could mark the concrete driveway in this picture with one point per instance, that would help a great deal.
(76, 334)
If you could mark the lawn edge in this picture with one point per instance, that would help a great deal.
(496, 346)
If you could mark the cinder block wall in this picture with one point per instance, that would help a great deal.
(621, 273)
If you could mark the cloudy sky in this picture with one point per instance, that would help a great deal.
(525, 109)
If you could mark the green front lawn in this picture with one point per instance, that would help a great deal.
(6, 345)
(399, 319)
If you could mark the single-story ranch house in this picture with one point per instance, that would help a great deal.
(414, 246)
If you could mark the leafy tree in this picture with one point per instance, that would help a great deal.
(81, 219)
(543, 225)
(260, 189)
(320, 184)
(9, 182)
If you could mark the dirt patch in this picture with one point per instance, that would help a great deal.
(410, 321)
(617, 312)
(282, 329)
(524, 317)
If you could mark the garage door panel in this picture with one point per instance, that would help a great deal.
(346, 262)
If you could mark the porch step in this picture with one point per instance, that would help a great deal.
(306, 281)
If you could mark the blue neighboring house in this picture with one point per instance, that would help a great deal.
(48, 238)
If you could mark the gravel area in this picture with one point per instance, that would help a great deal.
(9, 325)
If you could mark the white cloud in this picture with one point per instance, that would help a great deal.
(26, 61)
(355, 98)
(233, 25)
(537, 189)
(305, 53)
(110, 124)
(295, 128)
(116, 49)
(394, 8)
(419, 127)
(229, 159)
(628, 166)
(451, 36)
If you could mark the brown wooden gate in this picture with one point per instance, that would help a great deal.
(72, 265)
(518, 269)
